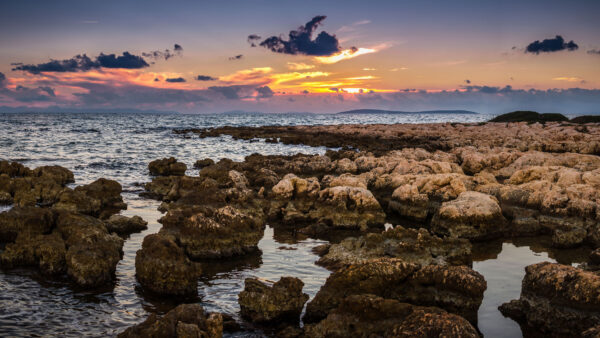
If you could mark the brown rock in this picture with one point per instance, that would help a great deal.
(167, 167)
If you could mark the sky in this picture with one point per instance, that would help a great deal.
(300, 56)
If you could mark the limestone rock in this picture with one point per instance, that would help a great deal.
(167, 167)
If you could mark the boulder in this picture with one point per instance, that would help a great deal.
(456, 289)
(557, 300)
(199, 164)
(162, 267)
(101, 198)
(167, 167)
(410, 245)
(186, 320)
(27, 220)
(473, 215)
(124, 225)
(371, 316)
(281, 302)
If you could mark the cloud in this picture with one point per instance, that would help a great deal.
(229, 92)
(301, 41)
(236, 57)
(2, 79)
(594, 51)
(205, 78)
(369, 69)
(551, 45)
(353, 26)
(84, 63)
(568, 79)
(164, 54)
(254, 75)
(26, 94)
(344, 55)
(175, 79)
(299, 66)
(264, 92)
(467, 81)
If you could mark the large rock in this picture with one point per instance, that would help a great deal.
(412, 246)
(372, 316)
(557, 300)
(457, 289)
(473, 215)
(29, 220)
(281, 302)
(167, 167)
(101, 198)
(162, 267)
(47, 252)
(124, 225)
(186, 320)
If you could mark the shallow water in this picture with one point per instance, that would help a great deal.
(119, 147)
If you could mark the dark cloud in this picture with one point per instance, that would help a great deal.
(489, 90)
(264, 92)
(230, 92)
(164, 54)
(305, 92)
(334, 89)
(176, 79)
(2, 79)
(84, 63)
(551, 45)
(26, 94)
(205, 78)
(156, 79)
(253, 39)
(594, 51)
(468, 81)
(300, 41)
(127, 61)
(236, 57)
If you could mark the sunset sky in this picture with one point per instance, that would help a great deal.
(308, 56)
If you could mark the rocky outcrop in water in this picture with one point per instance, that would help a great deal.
(281, 302)
(368, 315)
(167, 167)
(124, 225)
(186, 320)
(457, 289)
(412, 246)
(57, 229)
(557, 300)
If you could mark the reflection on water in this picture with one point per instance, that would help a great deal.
(503, 266)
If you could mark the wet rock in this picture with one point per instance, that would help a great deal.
(162, 267)
(214, 233)
(92, 253)
(101, 198)
(58, 174)
(281, 302)
(595, 257)
(167, 167)
(568, 239)
(412, 246)
(5, 198)
(124, 225)
(557, 300)
(457, 289)
(372, 316)
(473, 215)
(14, 169)
(45, 251)
(27, 220)
(199, 164)
(186, 320)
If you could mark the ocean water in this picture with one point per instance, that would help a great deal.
(119, 147)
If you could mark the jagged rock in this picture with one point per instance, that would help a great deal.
(457, 289)
(45, 251)
(557, 300)
(14, 169)
(199, 164)
(29, 220)
(92, 254)
(412, 246)
(472, 215)
(167, 167)
(281, 302)
(208, 233)
(124, 225)
(101, 198)
(59, 174)
(186, 320)
(162, 267)
(372, 316)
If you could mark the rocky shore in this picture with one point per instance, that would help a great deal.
(401, 205)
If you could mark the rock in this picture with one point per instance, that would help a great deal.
(529, 116)
(595, 256)
(207, 233)
(412, 246)
(124, 225)
(101, 198)
(457, 289)
(92, 254)
(186, 320)
(199, 164)
(281, 302)
(45, 251)
(472, 215)
(586, 119)
(372, 316)
(59, 174)
(348, 207)
(557, 300)
(568, 239)
(162, 267)
(167, 167)
(28, 220)
(14, 169)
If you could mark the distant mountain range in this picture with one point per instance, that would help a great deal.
(380, 111)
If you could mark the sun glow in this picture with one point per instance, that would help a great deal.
(344, 55)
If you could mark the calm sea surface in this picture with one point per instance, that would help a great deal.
(119, 147)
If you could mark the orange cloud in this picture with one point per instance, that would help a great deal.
(344, 55)
(299, 66)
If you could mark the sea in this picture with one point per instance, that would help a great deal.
(119, 146)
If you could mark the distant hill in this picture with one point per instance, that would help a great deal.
(380, 111)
